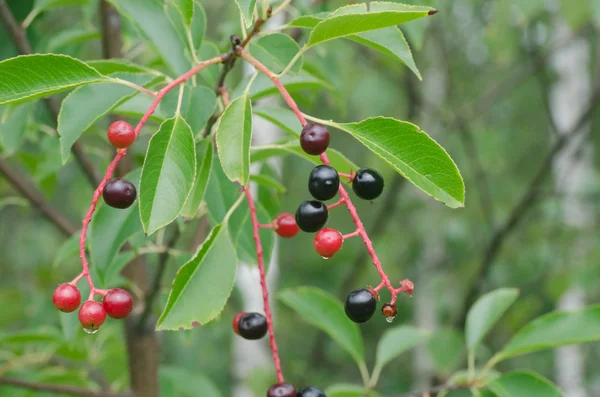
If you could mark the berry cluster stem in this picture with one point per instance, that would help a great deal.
(263, 283)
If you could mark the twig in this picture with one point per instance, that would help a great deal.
(70, 390)
(19, 38)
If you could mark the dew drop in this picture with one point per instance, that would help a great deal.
(90, 331)
(324, 257)
(390, 319)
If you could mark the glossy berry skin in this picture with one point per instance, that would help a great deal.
(327, 242)
(367, 184)
(314, 139)
(119, 193)
(360, 305)
(311, 216)
(310, 391)
(251, 326)
(117, 303)
(92, 315)
(285, 225)
(121, 134)
(324, 182)
(66, 297)
(281, 390)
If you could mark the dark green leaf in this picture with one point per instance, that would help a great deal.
(524, 384)
(186, 9)
(197, 105)
(204, 160)
(234, 134)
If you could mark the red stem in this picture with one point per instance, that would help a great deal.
(336, 204)
(263, 283)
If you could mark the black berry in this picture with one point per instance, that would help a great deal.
(119, 193)
(360, 305)
(310, 391)
(281, 390)
(367, 184)
(250, 326)
(324, 182)
(311, 216)
(314, 139)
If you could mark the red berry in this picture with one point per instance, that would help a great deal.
(285, 225)
(236, 322)
(66, 298)
(121, 134)
(328, 242)
(314, 139)
(92, 315)
(281, 390)
(117, 303)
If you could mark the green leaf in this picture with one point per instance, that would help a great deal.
(86, 105)
(13, 126)
(270, 182)
(209, 74)
(338, 160)
(154, 25)
(447, 349)
(198, 26)
(325, 312)
(281, 117)
(276, 51)
(247, 9)
(234, 134)
(413, 154)
(204, 159)
(167, 175)
(486, 312)
(112, 66)
(68, 249)
(186, 9)
(347, 390)
(197, 105)
(45, 5)
(189, 383)
(397, 341)
(33, 76)
(203, 285)
(355, 19)
(69, 37)
(137, 106)
(524, 384)
(553, 330)
(263, 86)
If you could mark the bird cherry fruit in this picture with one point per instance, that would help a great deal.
(91, 315)
(314, 139)
(251, 326)
(285, 225)
(281, 390)
(324, 182)
(121, 134)
(117, 303)
(119, 193)
(327, 242)
(66, 297)
(367, 184)
(360, 305)
(310, 391)
(311, 216)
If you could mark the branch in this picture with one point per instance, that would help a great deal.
(23, 46)
(70, 390)
(111, 31)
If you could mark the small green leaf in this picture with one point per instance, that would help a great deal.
(554, 330)
(413, 154)
(397, 341)
(276, 51)
(203, 285)
(524, 384)
(447, 350)
(347, 390)
(197, 105)
(13, 126)
(281, 117)
(204, 160)
(167, 175)
(234, 134)
(198, 26)
(270, 182)
(486, 312)
(186, 9)
(325, 312)
(247, 9)
(355, 19)
(33, 76)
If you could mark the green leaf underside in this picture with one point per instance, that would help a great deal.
(86, 105)
(33, 76)
(234, 134)
(524, 384)
(325, 312)
(276, 51)
(204, 158)
(186, 9)
(167, 175)
(413, 154)
(208, 278)
(486, 312)
(554, 330)
(247, 9)
(337, 159)
(281, 117)
(197, 105)
(397, 341)
(13, 126)
(355, 19)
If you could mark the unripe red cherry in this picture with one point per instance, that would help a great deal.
(66, 298)
(92, 315)
(121, 134)
(119, 193)
(327, 242)
(314, 139)
(285, 225)
(117, 303)
(281, 390)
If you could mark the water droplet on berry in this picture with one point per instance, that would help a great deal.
(324, 257)
(90, 331)
(390, 319)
